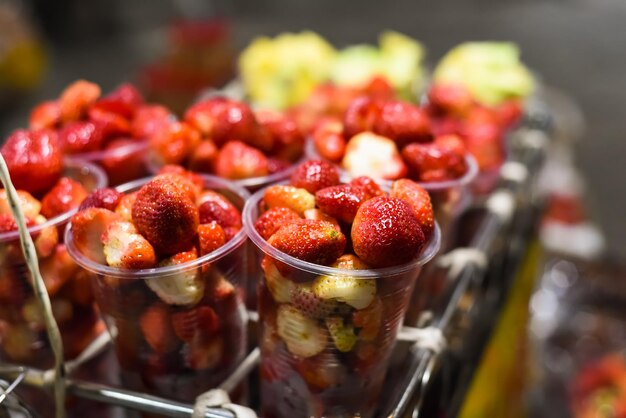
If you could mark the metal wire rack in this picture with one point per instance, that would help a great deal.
(466, 310)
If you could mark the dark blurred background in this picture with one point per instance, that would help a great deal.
(574, 45)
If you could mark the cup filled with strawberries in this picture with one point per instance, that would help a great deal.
(50, 189)
(338, 261)
(166, 258)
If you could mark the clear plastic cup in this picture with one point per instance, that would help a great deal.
(307, 369)
(165, 347)
(122, 164)
(23, 337)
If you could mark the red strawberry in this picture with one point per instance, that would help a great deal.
(34, 160)
(342, 201)
(46, 239)
(124, 207)
(79, 136)
(361, 116)
(106, 198)
(7, 223)
(211, 237)
(184, 181)
(290, 197)
(46, 115)
(223, 119)
(314, 175)
(452, 142)
(237, 160)
(58, 270)
(124, 100)
(268, 223)
(379, 88)
(485, 142)
(157, 329)
(204, 355)
(317, 242)
(87, 228)
(165, 215)
(125, 248)
(286, 137)
(304, 298)
(452, 99)
(386, 232)
(124, 161)
(197, 323)
(403, 122)
(276, 165)
(111, 124)
(148, 120)
(509, 113)
(419, 200)
(76, 99)
(369, 320)
(30, 206)
(329, 141)
(322, 371)
(204, 158)
(174, 144)
(433, 162)
(215, 207)
(66, 195)
(371, 187)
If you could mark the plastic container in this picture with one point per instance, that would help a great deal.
(154, 355)
(23, 337)
(305, 371)
(123, 163)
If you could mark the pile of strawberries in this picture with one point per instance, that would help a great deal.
(183, 321)
(84, 122)
(227, 138)
(333, 332)
(37, 170)
(378, 135)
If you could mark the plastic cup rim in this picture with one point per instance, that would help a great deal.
(101, 269)
(250, 211)
(120, 151)
(101, 181)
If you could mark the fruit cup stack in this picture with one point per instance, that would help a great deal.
(50, 189)
(167, 262)
(110, 131)
(339, 262)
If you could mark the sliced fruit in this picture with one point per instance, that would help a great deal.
(125, 248)
(279, 286)
(195, 324)
(30, 206)
(204, 354)
(46, 239)
(211, 236)
(358, 293)
(157, 329)
(87, 228)
(369, 320)
(304, 298)
(342, 334)
(302, 335)
(184, 287)
(368, 154)
(124, 207)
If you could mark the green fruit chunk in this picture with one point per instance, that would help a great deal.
(343, 335)
(302, 335)
(358, 293)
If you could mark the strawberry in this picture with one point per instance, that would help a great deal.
(286, 137)
(125, 248)
(485, 142)
(419, 200)
(386, 232)
(452, 142)
(165, 215)
(30, 206)
(211, 237)
(215, 207)
(200, 322)
(237, 160)
(509, 113)
(371, 187)
(124, 101)
(174, 143)
(278, 285)
(433, 162)
(34, 160)
(304, 298)
(356, 292)
(204, 157)
(157, 329)
(273, 219)
(184, 287)
(314, 175)
(368, 320)
(303, 337)
(124, 207)
(123, 161)
(276, 165)
(341, 333)
(66, 195)
(76, 99)
(322, 371)
(450, 99)
(46, 115)
(194, 178)
(329, 141)
(342, 201)
(106, 198)
(361, 116)
(218, 288)
(317, 242)
(204, 355)
(183, 182)
(222, 119)
(403, 123)
(87, 228)
(46, 239)
(80, 136)
(318, 215)
(111, 124)
(294, 198)
(372, 155)
(7, 223)
(148, 120)
(58, 270)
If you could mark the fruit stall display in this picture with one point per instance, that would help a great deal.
(358, 183)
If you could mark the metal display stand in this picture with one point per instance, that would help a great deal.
(478, 277)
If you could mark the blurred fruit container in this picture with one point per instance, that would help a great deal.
(326, 333)
(179, 329)
(23, 336)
